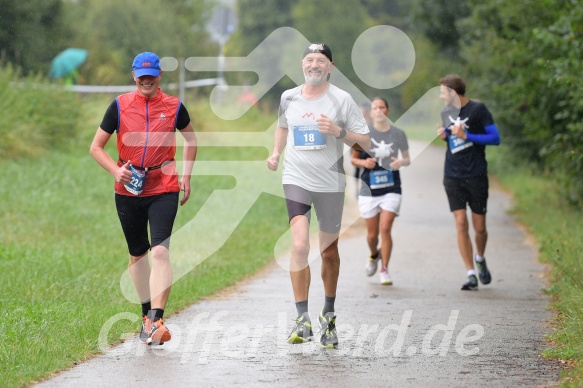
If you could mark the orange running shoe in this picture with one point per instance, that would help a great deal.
(158, 333)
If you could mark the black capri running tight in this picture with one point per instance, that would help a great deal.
(136, 212)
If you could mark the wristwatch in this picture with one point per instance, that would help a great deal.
(342, 134)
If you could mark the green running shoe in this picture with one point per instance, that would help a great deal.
(302, 332)
(328, 336)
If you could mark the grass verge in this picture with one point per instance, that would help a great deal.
(557, 226)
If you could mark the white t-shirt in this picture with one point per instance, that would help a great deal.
(312, 160)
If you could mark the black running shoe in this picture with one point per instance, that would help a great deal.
(302, 332)
(328, 336)
(483, 273)
(471, 284)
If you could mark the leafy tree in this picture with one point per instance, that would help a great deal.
(501, 52)
(525, 57)
(30, 33)
(389, 12)
(325, 21)
(257, 20)
(437, 20)
(562, 43)
(169, 28)
(394, 13)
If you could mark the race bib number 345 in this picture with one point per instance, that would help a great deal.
(308, 137)
(379, 179)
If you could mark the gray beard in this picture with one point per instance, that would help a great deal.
(312, 80)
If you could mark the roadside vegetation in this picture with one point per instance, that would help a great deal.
(555, 223)
(36, 116)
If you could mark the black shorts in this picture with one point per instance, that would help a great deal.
(467, 191)
(136, 212)
(328, 206)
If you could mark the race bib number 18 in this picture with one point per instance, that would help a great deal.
(308, 137)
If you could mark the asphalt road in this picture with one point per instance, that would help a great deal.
(421, 331)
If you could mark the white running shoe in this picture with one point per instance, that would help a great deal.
(385, 277)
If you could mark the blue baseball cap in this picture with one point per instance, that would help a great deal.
(146, 64)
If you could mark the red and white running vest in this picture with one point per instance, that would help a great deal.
(146, 137)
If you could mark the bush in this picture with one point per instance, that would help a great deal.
(525, 57)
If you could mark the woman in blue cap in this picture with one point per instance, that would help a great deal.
(146, 183)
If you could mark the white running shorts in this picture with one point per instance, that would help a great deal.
(371, 206)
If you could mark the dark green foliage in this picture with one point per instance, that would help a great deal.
(258, 19)
(438, 21)
(524, 58)
(31, 33)
(562, 42)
